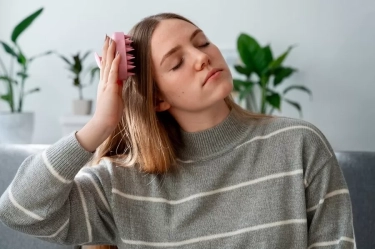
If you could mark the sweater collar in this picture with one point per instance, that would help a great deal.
(214, 141)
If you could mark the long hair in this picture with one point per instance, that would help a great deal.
(146, 138)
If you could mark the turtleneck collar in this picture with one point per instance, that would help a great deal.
(214, 141)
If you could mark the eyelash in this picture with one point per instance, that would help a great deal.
(182, 60)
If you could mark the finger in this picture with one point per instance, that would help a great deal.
(104, 56)
(110, 57)
(113, 74)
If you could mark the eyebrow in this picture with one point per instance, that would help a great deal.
(175, 49)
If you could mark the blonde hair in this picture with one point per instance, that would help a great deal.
(144, 137)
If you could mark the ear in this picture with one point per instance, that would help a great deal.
(161, 105)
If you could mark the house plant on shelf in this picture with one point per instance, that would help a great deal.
(17, 126)
(81, 106)
(263, 71)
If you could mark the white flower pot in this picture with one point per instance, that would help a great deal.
(16, 128)
(82, 107)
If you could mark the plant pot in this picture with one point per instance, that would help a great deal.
(82, 107)
(16, 128)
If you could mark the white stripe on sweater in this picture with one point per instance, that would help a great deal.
(329, 195)
(24, 210)
(84, 206)
(330, 243)
(271, 135)
(215, 236)
(104, 200)
(52, 170)
(243, 184)
(56, 233)
(284, 130)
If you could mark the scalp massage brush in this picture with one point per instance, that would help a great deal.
(123, 47)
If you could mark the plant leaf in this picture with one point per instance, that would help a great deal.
(7, 79)
(33, 90)
(85, 55)
(77, 66)
(8, 49)
(247, 47)
(22, 26)
(76, 81)
(295, 104)
(277, 63)
(282, 73)
(274, 100)
(241, 85)
(6, 97)
(260, 61)
(246, 91)
(268, 54)
(40, 55)
(23, 75)
(21, 59)
(65, 59)
(243, 70)
(302, 88)
(262, 58)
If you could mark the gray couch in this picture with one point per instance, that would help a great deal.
(358, 168)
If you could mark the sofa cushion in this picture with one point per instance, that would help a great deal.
(359, 172)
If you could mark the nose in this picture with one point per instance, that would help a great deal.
(202, 60)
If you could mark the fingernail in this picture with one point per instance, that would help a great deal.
(110, 41)
(105, 38)
(117, 53)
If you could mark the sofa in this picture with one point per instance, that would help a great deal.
(358, 169)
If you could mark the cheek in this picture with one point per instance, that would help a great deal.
(173, 87)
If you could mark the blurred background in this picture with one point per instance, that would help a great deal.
(333, 53)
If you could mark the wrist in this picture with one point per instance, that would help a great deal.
(92, 135)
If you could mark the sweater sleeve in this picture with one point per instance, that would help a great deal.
(329, 210)
(49, 200)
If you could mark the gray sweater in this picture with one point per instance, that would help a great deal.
(240, 184)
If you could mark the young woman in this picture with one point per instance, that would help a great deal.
(178, 164)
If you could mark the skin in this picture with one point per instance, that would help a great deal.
(195, 106)
(181, 75)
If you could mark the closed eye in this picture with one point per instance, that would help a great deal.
(178, 65)
(182, 60)
(205, 45)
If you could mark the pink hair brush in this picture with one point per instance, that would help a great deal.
(123, 47)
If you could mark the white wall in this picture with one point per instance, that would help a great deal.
(336, 47)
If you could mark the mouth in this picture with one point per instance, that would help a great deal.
(211, 73)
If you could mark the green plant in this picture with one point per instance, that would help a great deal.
(76, 68)
(260, 68)
(6, 75)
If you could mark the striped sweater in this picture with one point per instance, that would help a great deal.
(240, 184)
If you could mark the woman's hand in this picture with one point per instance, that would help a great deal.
(109, 104)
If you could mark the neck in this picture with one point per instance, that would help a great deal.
(215, 140)
(202, 120)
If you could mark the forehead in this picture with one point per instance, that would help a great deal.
(170, 33)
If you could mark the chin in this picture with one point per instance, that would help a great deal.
(224, 90)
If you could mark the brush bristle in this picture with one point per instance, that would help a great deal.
(129, 48)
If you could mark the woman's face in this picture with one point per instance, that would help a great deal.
(183, 58)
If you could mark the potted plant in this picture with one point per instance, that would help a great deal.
(81, 106)
(17, 126)
(263, 71)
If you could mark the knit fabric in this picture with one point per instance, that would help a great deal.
(242, 184)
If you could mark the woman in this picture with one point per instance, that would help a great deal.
(178, 164)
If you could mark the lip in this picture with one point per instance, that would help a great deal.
(210, 73)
